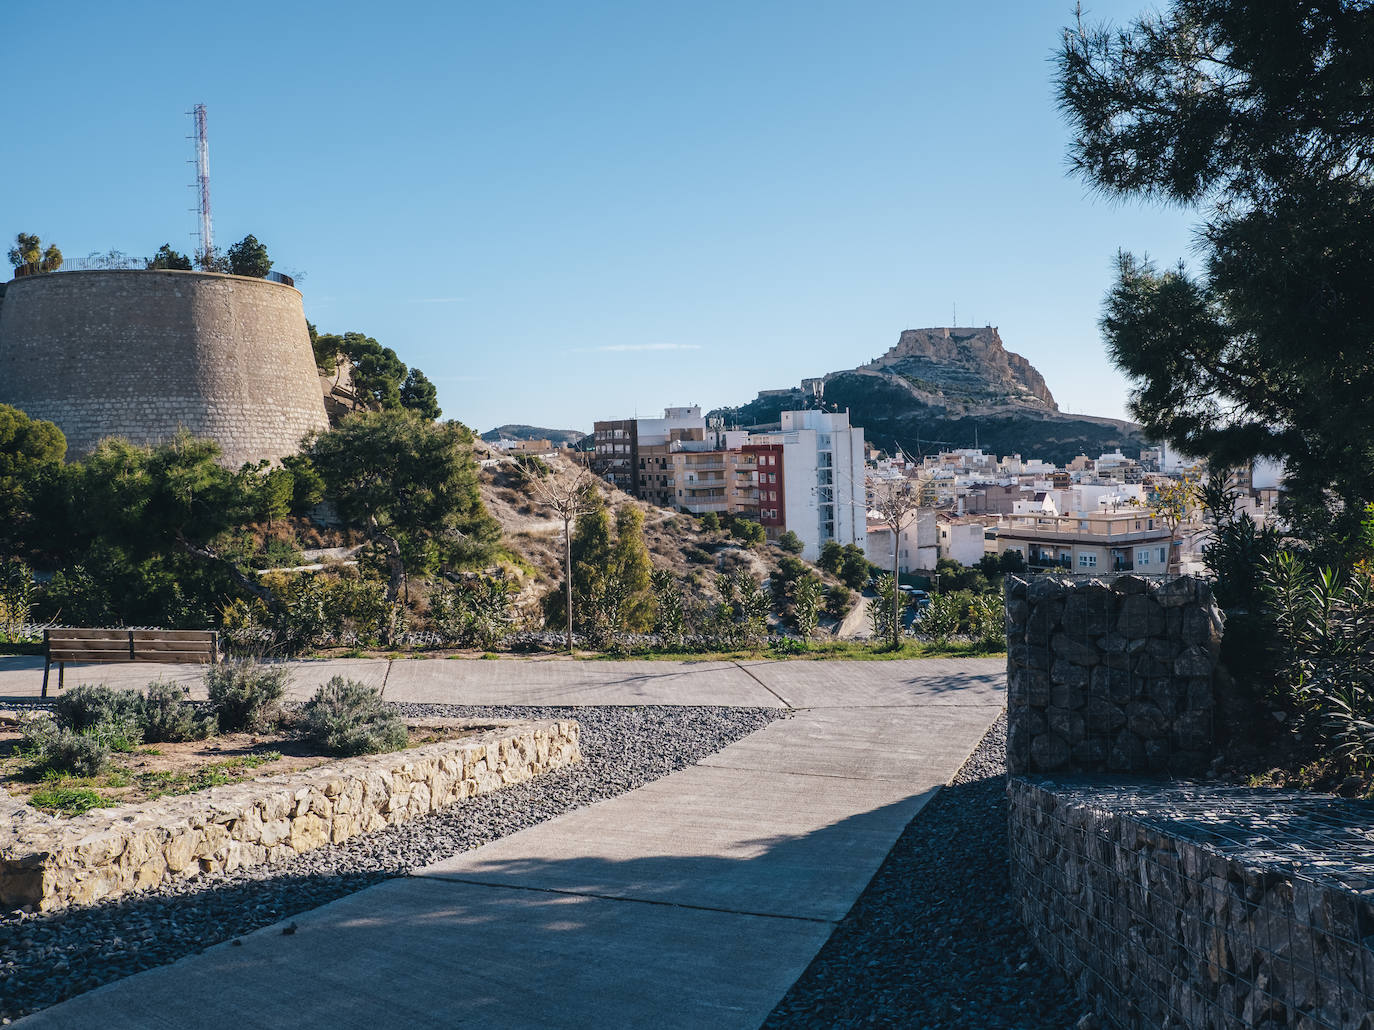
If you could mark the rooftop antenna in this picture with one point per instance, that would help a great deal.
(206, 250)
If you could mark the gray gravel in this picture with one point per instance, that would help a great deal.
(933, 942)
(46, 958)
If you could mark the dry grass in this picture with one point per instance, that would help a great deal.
(673, 539)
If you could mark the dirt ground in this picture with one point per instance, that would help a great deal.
(674, 540)
(153, 770)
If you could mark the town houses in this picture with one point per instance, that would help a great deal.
(815, 475)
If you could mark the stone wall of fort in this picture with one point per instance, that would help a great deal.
(142, 354)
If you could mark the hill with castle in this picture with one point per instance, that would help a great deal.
(947, 387)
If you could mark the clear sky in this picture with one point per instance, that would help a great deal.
(570, 211)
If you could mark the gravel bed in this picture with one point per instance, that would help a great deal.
(934, 942)
(46, 958)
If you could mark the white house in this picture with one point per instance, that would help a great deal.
(918, 543)
(960, 540)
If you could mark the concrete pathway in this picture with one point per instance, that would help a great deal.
(694, 901)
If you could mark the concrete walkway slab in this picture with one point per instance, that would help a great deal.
(431, 953)
(884, 684)
(907, 745)
(694, 901)
(21, 678)
(788, 845)
(513, 682)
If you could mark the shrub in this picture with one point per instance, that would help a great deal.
(831, 557)
(168, 717)
(987, 621)
(697, 556)
(880, 611)
(62, 749)
(751, 534)
(838, 601)
(791, 543)
(532, 465)
(941, 620)
(346, 717)
(117, 714)
(1325, 623)
(710, 522)
(245, 696)
(806, 604)
(475, 612)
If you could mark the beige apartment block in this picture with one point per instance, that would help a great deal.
(1091, 543)
(721, 481)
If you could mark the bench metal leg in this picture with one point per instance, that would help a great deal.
(47, 664)
(61, 668)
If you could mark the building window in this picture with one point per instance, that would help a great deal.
(1144, 557)
(1087, 561)
(1161, 556)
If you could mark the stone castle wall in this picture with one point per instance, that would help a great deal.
(142, 354)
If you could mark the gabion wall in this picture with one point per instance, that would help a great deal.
(1110, 677)
(1177, 906)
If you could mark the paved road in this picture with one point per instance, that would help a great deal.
(694, 901)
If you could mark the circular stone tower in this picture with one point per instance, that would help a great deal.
(143, 354)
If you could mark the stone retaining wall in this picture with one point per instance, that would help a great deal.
(47, 862)
(1110, 676)
(1182, 906)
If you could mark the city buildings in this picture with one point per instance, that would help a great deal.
(810, 477)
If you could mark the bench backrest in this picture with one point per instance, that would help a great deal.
(131, 645)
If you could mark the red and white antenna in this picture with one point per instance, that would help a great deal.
(205, 252)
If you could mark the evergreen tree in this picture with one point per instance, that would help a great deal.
(630, 564)
(417, 394)
(1258, 115)
(249, 257)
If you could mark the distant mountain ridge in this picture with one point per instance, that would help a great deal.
(947, 387)
(515, 431)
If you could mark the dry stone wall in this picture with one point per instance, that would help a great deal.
(1110, 676)
(47, 862)
(1200, 906)
(143, 354)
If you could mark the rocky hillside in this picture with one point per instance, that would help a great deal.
(951, 387)
(962, 371)
(522, 432)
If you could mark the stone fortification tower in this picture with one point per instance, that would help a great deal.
(142, 354)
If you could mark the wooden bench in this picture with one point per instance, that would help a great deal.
(61, 646)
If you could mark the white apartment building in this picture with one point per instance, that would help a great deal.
(819, 459)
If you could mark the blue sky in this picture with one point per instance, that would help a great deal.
(564, 212)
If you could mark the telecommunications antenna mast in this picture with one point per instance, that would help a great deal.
(206, 250)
